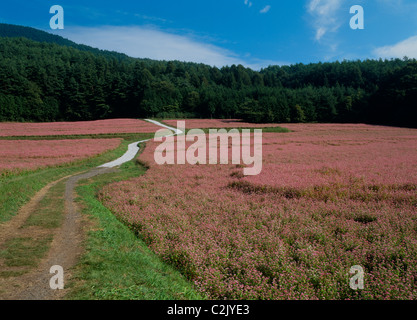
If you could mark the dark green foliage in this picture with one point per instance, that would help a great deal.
(44, 77)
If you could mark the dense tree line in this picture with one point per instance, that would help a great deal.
(50, 81)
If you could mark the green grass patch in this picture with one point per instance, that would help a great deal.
(25, 251)
(276, 129)
(117, 265)
(10, 274)
(50, 211)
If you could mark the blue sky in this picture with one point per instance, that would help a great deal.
(255, 33)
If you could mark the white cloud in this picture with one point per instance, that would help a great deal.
(146, 42)
(248, 3)
(325, 16)
(320, 32)
(401, 49)
(266, 9)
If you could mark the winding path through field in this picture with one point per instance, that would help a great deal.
(134, 148)
(66, 247)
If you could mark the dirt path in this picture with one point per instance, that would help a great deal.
(66, 247)
(9, 228)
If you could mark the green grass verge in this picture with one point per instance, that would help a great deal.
(264, 130)
(207, 130)
(18, 189)
(117, 265)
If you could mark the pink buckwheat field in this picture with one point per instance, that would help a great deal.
(18, 155)
(111, 126)
(329, 196)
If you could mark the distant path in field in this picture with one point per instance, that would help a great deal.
(66, 247)
(134, 148)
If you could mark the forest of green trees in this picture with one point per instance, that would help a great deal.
(53, 79)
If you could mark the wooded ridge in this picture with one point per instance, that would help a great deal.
(44, 77)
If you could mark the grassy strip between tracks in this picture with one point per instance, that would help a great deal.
(117, 265)
(29, 244)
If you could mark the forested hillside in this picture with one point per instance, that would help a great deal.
(53, 79)
(14, 31)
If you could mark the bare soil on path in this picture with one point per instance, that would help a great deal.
(65, 249)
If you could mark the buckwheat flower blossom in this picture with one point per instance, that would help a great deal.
(330, 196)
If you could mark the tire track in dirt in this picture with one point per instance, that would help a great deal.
(9, 228)
(65, 250)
